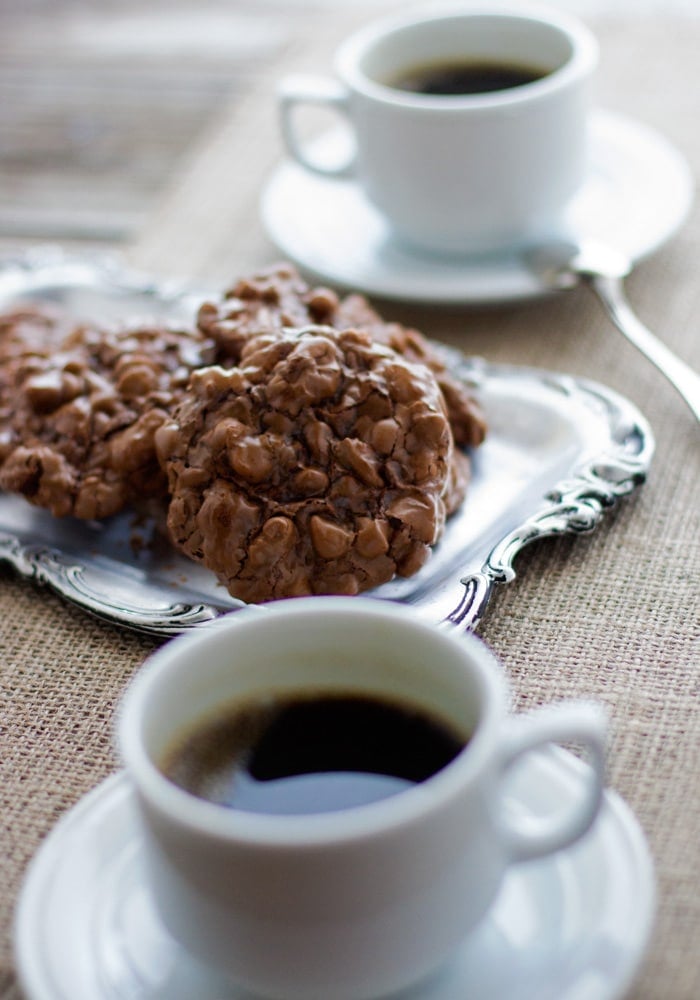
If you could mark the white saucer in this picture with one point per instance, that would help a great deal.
(638, 192)
(572, 927)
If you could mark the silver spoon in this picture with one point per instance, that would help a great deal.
(562, 265)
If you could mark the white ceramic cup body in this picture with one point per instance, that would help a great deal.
(350, 904)
(460, 174)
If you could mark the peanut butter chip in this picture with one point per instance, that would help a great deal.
(330, 540)
(137, 379)
(385, 434)
(45, 391)
(419, 513)
(372, 538)
(252, 460)
(359, 457)
(310, 482)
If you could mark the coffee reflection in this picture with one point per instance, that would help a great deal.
(312, 753)
(457, 78)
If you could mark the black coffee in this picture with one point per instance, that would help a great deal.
(311, 754)
(455, 78)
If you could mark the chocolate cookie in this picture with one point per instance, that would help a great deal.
(79, 408)
(280, 298)
(322, 463)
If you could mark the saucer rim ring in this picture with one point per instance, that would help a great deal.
(35, 977)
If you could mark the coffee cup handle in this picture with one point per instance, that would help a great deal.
(298, 90)
(585, 724)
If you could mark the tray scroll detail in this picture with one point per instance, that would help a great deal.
(574, 506)
(70, 579)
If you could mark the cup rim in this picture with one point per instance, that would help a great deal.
(584, 58)
(309, 830)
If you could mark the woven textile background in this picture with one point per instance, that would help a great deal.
(612, 615)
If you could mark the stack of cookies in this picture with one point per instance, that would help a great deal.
(298, 442)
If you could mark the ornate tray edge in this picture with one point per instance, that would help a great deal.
(575, 505)
(67, 577)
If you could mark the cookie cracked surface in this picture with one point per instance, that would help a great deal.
(323, 462)
(79, 408)
(279, 297)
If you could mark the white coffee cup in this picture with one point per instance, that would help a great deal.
(476, 173)
(351, 904)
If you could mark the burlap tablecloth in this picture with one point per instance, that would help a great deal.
(612, 615)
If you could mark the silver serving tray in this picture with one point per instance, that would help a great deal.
(560, 451)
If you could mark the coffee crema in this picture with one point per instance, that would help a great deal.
(454, 78)
(311, 753)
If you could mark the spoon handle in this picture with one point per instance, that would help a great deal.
(609, 290)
